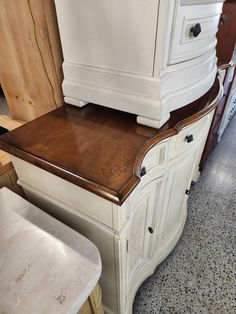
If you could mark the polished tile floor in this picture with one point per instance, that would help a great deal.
(199, 276)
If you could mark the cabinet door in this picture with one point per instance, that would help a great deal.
(141, 232)
(179, 179)
(140, 222)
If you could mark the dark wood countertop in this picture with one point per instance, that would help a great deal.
(97, 148)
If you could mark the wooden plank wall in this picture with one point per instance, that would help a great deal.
(30, 57)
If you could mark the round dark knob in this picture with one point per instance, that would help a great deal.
(187, 192)
(196, 30)
(150, 229)
(189, 138)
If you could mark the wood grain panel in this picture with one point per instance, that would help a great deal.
(226, 36)
(30, 57)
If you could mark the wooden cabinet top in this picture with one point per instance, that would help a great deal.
(96, 148)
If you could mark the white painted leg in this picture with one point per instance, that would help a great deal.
(196, 176)
(151, 122)
(75, 102)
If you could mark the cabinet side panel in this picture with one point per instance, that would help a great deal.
(102, 239)
(115, 35)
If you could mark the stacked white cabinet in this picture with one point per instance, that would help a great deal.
(135, 237)
(144, 57)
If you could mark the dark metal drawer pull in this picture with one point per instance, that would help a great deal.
(143, 172)
(189, 138)
(187, 192)
(196, 30)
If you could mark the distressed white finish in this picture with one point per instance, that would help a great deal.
(138, 56)
(45, 267)
(130, 253)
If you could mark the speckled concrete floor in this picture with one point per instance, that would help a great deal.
(199, 276)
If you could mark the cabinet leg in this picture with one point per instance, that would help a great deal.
(75, 102)
(152, 122)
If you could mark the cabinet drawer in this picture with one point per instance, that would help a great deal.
(190, 14)
(157, 157)
(188, 137)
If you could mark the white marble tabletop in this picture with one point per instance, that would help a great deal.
(45, 267)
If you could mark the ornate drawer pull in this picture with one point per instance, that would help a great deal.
(189, 138)
(196, 30)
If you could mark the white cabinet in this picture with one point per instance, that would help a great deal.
(140, 228)
(137, 56)
(135, 237)
(142, 231)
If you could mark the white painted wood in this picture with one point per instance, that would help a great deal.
(117, 35)
(179, 179)
(75, 102)
(151, 122)
(73, 196)
(129, 252)
(157, 157)
(184, 46)
(137, 56)
(179, 144)
(98, 233)
(198, 155)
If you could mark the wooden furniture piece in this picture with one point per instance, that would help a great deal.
(226, 36)
(122, 185)
(30, 57)
(8, 176)
(227, 75)
(46, 267)
(226, 53)
(144, 57)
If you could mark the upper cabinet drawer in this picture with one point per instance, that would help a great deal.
(194, 29)
(189, 136)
